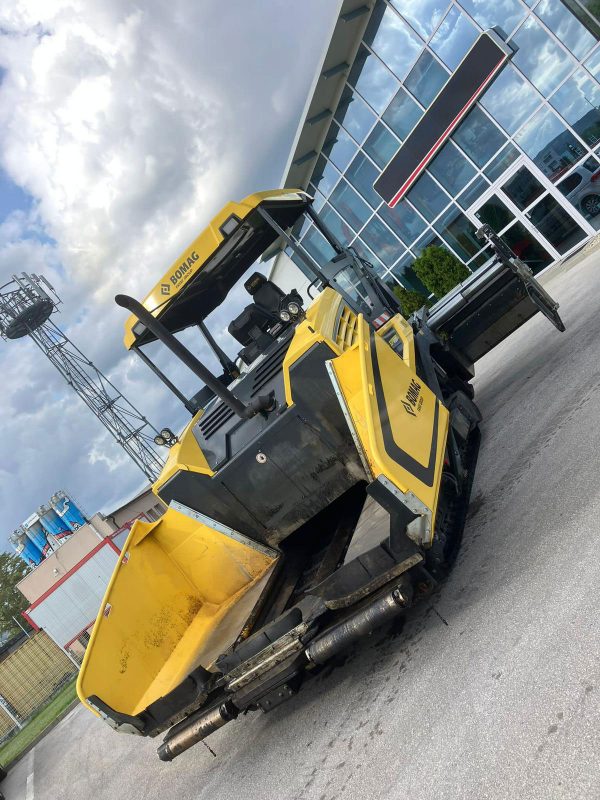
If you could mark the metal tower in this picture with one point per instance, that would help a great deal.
(26, 305)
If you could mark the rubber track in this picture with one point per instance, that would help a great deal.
(451, 517)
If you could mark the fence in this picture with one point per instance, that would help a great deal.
(36, 668)
(30, 675)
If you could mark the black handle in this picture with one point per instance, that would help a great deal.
(188, 358)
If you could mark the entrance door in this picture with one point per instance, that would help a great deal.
(532, 217)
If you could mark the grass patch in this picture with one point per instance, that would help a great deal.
(36, 725)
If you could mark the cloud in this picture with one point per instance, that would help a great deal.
(129, 127)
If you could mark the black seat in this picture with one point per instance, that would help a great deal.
(266, 294)
(251, 328)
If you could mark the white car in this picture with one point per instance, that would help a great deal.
(582, 187)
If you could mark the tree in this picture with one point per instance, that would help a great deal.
(439, 270)
(410, 301)
(12, 602)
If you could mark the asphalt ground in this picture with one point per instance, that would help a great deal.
(491, 690)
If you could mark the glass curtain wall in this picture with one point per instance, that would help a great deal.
(545, 105)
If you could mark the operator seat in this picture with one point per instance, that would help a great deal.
(258, 326)
(266, 294)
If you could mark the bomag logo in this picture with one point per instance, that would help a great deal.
(413, 400)
(184, 268)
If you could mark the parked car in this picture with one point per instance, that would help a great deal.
(582, 187)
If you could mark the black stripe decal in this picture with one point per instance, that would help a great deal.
(425, 474)
(479, 67)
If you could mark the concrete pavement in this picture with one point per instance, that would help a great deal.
(492, 690)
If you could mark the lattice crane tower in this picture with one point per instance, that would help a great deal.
(27, 303)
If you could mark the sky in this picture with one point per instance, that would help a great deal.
(124, 128)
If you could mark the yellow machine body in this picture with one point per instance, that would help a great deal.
(180, 594)
(400, 425)
(303, 494)
(183, 591)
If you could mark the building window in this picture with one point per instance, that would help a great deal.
(381, 145)
(317, 246)
(479, 137)
(578, 101)
(368, 255)
(404, 273)
(428, 197)
(553, 222)
(458, 232)
(426, 79)
(318, 201)
(372, 80)
(507, 156)
(408, 52)
(523, 188)
(566, 27)
(325, 175)
(540, 58)
(337, 225)
(346, 201)
(495, 213)
(424, 15)
(404, 220)
(382, 241)
(521, 242)
(510, 100)
(451, 168)
(402, 114)
(473, 191)
(339, 147)
(454, 38)
(429, 238)
(549, 144)
(506, 14)
(362, 174)
(393, 41)
(355, 115)
(593, 63)
(581, 189)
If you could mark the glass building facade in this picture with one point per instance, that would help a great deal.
(526, 158)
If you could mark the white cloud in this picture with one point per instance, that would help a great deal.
(130, 127)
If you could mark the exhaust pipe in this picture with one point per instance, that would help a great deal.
(197, 727)
(358, 625)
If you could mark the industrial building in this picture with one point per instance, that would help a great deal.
(524, 158)
(66, 588)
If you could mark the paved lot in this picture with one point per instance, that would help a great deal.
(503, 701)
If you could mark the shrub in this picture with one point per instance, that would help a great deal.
(410, 301)
(439, 270)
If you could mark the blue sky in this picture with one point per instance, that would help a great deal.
(123, 130)
(12, 197)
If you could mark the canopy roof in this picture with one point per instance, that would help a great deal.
(200, 279)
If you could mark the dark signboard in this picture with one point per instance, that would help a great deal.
(478, 68)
